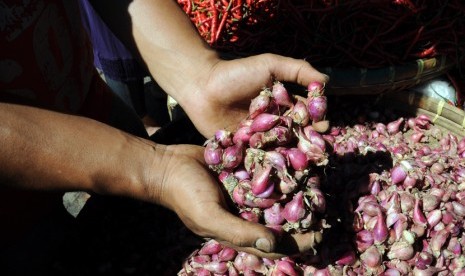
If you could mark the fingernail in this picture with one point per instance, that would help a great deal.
(263, 244)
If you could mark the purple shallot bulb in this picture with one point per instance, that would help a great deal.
(216, 267)
(242, 135)
(299, 114)
(364, 239)
(210, 247)
(454, 246)
(268, 191)
(315, 88)
(264, 122)
(434, 217)
(233, 156)
(250, 215)
(280, 95)
(278, 135)
(315, 137)
(287, 184)
(241, 174)
(224, 138)
(259, 104)
(422, 121)
(375, 187)
(429, 271)
(276, 160)
(417, 136)
(297, 159)
(423, 260)
(430, 202)
(322, 272)
(317, 201)
(314, 153)
(459, 209)
(201, 271)
(438, 240)
(418, 216)
(294, 210)
(380, 230)
(400, 171)
(392, 272)
(348, 257)
(371, 257)
(394, 126)
(401, 250)
(317, 107)
(260, 179)
(238, 195)
(287, 267)
(227, 254)
(262, 203)
(410, 182)
(213, 153)
(273, 216)
(254, 263)
(257, 140)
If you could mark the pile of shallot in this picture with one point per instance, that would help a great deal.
(386, 192)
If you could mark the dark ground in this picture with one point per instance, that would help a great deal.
(110, 236)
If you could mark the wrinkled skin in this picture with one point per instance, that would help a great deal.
(222, 100)
(194, 194)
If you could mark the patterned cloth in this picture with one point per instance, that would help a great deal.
(110, 55)
(46, 61)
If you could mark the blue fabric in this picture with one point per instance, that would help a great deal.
(110, 55)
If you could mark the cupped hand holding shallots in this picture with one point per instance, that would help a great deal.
(214, 92)
(190, 190)
(221, 99)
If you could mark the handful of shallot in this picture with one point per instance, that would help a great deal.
(266, 166)
(387, 192)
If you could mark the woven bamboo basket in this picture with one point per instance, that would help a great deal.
(363, 81)
(442, 114)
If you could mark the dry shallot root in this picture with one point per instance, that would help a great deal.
(387, 192)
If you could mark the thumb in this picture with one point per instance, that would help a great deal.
(237, 232)
(295, 70)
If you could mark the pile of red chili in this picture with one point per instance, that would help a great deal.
(334, 33)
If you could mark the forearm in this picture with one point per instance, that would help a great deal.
(46, 150)
(170, 45)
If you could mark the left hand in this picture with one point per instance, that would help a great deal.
(188, 188)
(220, 100)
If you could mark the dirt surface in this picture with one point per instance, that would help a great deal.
(123, 237)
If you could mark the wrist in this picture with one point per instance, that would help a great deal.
(133, 170)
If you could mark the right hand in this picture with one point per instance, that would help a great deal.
(220, 97)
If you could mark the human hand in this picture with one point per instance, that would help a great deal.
(221, 99)
(193, 193)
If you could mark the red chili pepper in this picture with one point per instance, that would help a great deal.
(223, 20)
(428, 52)
(189, 6)
(214, 14)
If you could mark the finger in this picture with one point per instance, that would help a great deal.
(254, 251)
(294, 70)
(288, 245)
(299, 243)
(239, 233)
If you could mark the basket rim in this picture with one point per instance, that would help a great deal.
(379, 80)
(440, 112)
